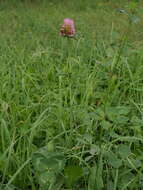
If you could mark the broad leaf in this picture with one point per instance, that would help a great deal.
(72, 174)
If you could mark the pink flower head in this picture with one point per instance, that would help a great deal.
(68, 28)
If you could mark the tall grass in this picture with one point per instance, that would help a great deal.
(71, 110)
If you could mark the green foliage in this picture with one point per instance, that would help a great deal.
(72, 174)
(71, 109)
(48, 166)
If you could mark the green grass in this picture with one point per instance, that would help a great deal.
(71, 111)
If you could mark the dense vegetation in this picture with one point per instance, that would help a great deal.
(71, 110)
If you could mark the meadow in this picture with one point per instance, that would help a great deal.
(71, 109)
